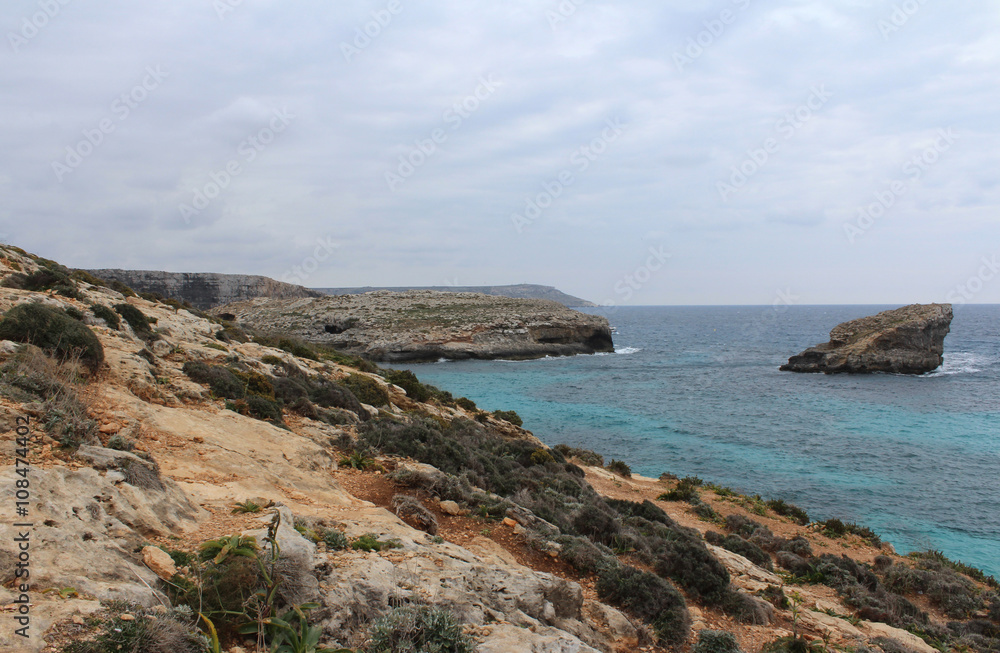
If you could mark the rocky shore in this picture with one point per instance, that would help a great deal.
(423, 325)
(908, 340)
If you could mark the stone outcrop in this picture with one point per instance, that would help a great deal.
(908, 340)
(424, 325)
(204, 290)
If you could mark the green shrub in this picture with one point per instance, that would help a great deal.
(407, 380)
(136, 319)
(367, 390)
(45, 278)
(648, 597)
(370, 542)
(335, 539)
(692, 566)
(220, 380)
(466, 404)
(53, 331)
(541, 456)
(109, 316)
(146, 632)
(297, 386)
(120, 443)
(418, 628)
(716, 641)
(509, 416)
(684, 491)
(118, 286)
(620, 467)
(780, 507)
(270, 359)
(834, 528)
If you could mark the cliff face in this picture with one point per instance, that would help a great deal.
(908, 340)
(425, 325)
(205, 290)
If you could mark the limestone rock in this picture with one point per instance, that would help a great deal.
(204, 290)
(908, 340)
(426, 325)
(877, 629)
(505, 638)
(451, 508)
(159, 561)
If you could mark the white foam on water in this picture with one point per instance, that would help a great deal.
(627, 350)
(959, 362)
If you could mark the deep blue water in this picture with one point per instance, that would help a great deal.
(696, 390)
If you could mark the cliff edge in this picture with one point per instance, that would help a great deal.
(908, 340)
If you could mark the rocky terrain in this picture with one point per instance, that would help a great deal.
(204, 290)
(307, 499)
(423, 325)
(908, 340)
(519, 291)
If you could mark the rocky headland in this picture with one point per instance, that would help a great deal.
(188, 489)
(424, 325)
(517, 291)
(907, 340)
(204, 290)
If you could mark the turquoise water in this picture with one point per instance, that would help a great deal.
(696, 390)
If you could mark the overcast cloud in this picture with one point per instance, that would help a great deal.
(835, 151)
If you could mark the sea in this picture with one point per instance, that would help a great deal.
(696, 390)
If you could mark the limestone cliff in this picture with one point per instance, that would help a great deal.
(908, 340)
(518, 291)
(422, 325)
(204, 290)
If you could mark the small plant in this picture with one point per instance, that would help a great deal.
(370, 542)
(796, 514)
(620, 468)
(716, 641)
(583, 455)
(292, 633)
(420, 628)
(357, 459)
(541, 456)
(236, 545)
(136, 319)
(246, 506)
(466, 404)
(335, 539)
(216, 346)
(120, 443)
(509, 416)
(684, 491)
(834, 528)
(109, 316)
(367, 390)
(269, 359)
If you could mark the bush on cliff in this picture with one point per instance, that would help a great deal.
(52, 330)
(647, 597)
(136, 319)
(418, 628)
(109, 316)
(367, 390)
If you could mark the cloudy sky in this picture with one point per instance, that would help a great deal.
(729, 151)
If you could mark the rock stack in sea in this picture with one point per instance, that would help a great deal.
(908, 340)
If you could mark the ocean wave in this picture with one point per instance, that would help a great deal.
(627, 350)
(959, 362)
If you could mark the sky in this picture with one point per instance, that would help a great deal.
(627, 152)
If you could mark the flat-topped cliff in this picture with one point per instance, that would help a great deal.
(908, 340)
(518, 291)
(205, 289)
(422, 325)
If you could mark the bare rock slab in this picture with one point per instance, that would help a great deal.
(908, 340)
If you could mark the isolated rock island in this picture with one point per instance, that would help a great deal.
(425, 325)
(908, 340)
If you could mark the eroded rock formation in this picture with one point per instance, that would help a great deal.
(908, 340)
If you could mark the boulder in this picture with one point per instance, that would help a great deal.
(159, 562)
(908, 340)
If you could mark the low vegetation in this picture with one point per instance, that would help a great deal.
(52, 330)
